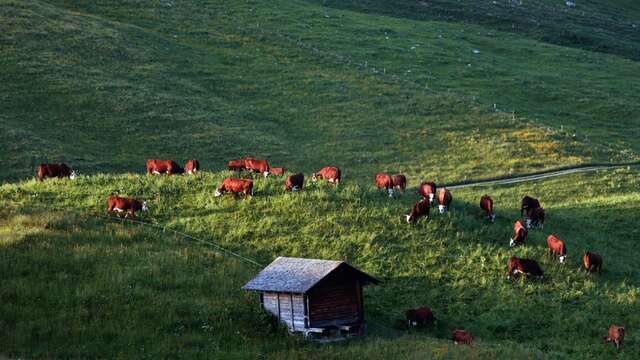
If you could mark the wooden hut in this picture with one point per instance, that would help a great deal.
(313, 296)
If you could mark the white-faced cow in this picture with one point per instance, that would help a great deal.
(528, 203)
(55, 170)
(127, 205)
(444, 200)
(615, 335)
(535, 218)
(399, 182)
(235, 186)
(329, 173)
(191, 167)
(157, 167)
(258, 166)
(486, 204)
(420, 209)
(419, 317)
(592, 262)
(294, 182)
(427, 190)
(384, 181)
(556, 247)
(519, 234)
(527, 267)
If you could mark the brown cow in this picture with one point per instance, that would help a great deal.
(462, 337)
(427, 190)
(556, 247)
(330, 173)
(528, 203)
(277, 171)
(420, 209)
(236, 165)
(258, 166)
(592, 262)
(158, 167)
(444, 200)
(615, 335)
(419, 317)
(400, 182)
(191, 167)
(127, 205)
(519, 234)
(235, 186)
(523, 266)
(294, 182)
(55, 170)
(535, 218)
(486, 204)
(384, 181)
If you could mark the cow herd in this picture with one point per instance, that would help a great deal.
(530, 209)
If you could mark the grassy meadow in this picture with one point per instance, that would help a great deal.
(80, 285)
(439, 90)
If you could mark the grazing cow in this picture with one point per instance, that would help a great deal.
(158, 167)
(384, 181)
(419, 317)
(528, 203)
(255, 165)
(615, 335)
(486, 204)
(235, 186)
(462, 337)
(294, 182)
(127, 205)
(277, 171)
(55, 170)
(420, 209)
(236, 165)
(191, 167)
(535, 218)
(444, 200)
(329, 173)
(427, 190)
(519, 234)
(556, 247)
(524, 266)
(592, 262)
(400, 182)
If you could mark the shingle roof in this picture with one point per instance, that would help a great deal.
(298, 275)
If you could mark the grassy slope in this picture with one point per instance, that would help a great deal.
(126, 291)
(105, 87)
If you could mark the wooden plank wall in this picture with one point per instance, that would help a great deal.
(280, 305)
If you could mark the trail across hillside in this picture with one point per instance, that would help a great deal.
(540, 175)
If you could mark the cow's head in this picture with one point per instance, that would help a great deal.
(266, 173)
(492, 217)
(528, 221)
(562, 258)
(144, 206)
(390, 192)
(442, 209)
(512, 242)
(294, 188)
(73, 175)
(314, 177)
(217, 193)
(431, 196)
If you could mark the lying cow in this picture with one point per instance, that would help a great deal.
(419, 317)
(55, 170)
(127, 205)
(592, 262)
(528, 203)
(519, 234)
(329, 173)
(277, 171)
(486, 204)
(157, 167)
(444, 200)
(384, 181)
(427, 190)
(420, 209)
(524, 266)
(258, 166)
(462, 337)
(235, 186)
(399, 182)
(191, 167)
(236, 165)
(615, 335)
(556, 247)
(535, 218)
(294, 182)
